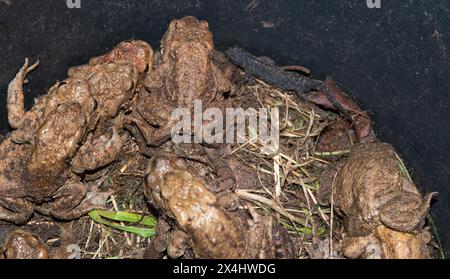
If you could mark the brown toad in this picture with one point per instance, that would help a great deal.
(186, 74)
(19, 244)
(210, 230)
(35, 161)
(37, 177)
(383, 212)
(101, 88)
(113, 77)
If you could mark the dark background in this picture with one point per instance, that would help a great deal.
(393, 60)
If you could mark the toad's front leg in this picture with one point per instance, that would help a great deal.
(74, 200)
(99, 152)
(364, 247)
(154, 136)
(178, 244)
(16, 102)
(17, 116)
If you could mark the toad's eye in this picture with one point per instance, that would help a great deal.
(61, 84)
(95, 105)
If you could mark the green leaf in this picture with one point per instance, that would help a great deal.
(105, 218)
(308, 231)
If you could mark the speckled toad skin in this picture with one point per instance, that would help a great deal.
(210, 230)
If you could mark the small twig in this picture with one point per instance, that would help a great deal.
(100, 246)
(89, 235)
(310, 127)
(332, 153)
(276, 168)
(321, 213)
(116, 208)
(252, 197)
(332, 215)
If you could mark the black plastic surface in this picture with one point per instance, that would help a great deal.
(393, 60)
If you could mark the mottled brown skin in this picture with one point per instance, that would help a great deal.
(19, 244)
(207, 228)
(111, 85)
(113, 79)
(186, 73)
(385, 243)
(99, 151)
(23, 123)
(35, 161)
(101, 88)
(384, 214)
(185, 199)
(138, 52)
(37, 177)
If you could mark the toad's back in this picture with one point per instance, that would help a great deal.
(370, 177)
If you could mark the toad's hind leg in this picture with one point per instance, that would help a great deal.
(74, 200)
(15, 210)
(406, 212)
(154, 136)
(16, 103)
(99, 152)
(226, 177)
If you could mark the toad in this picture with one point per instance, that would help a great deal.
(101, 88)
(204, 226)
(185, 74)
(384, 214)
(35, 160)
(37, 177)
(113, 79)
(20, 244)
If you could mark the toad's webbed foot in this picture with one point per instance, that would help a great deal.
(23, 122)
(140, 141)
(74, 200)
(354, 247)
(15, 210)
